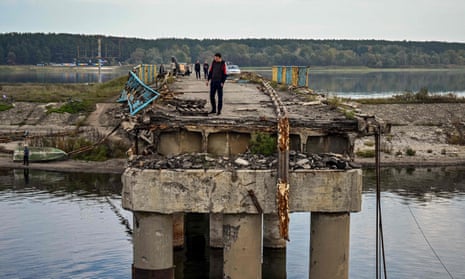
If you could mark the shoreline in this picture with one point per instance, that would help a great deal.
(113, 166)
(422, 128)
(118, 166)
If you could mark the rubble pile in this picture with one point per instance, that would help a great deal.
(246, 160)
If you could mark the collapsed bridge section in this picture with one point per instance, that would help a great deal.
(194, 162)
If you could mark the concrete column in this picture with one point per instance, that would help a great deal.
(274, 263)
(205, 142)
(216, 230)
(242, 234)
(271, 236)
(216, 263)
(329, 245)
(153, 246)
(178, 230)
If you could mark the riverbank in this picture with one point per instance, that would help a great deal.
(418, 137)
(116, 166)
(420, 128)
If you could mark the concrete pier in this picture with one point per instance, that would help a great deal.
(178, 230)
(153, 245)
(271, 236)
(216, 230)
(329, 245)
(221, 192)
(242, 235)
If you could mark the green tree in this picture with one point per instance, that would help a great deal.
(137, 57)
(153, 56)
(11, 58)
(2, 56)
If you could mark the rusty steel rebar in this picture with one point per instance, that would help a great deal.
(282, 195)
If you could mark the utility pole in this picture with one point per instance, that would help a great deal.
(77, 59)
(99, 58)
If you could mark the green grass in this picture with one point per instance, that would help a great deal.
(410, 152)
(262, 143)
(420, 97)
(367, 153)
(4, 107)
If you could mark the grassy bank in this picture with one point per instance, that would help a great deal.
(420, 97)
(75, 99)
(86, 94)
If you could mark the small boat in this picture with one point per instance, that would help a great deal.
(40, 154)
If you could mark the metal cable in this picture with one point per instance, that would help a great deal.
(379, 223)
(429, 244)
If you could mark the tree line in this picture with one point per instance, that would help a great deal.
(46, 48)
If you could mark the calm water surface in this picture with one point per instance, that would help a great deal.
(351, 84)
(60, 74)
(71, 225)
(385, 83)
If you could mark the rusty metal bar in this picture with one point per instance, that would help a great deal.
(282, 195)
(255, 201)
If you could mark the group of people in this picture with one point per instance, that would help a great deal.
(216, 75)
(197, 68)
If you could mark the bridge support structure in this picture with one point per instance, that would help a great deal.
(156, 196)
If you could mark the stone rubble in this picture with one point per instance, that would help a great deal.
(247, 160)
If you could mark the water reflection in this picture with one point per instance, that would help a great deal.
(61, 75)
(392, 82)
(377, 84)
(57, 225)
(423, 184)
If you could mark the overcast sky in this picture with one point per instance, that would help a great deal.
(411, 20)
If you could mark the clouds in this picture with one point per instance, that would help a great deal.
(423, 20)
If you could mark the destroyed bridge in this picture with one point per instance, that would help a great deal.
(185, 160)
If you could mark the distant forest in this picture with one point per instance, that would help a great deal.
(42, 48)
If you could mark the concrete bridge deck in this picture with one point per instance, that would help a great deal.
(245, 102)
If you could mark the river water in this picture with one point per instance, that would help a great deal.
(35, 74)
(71, 225)
(383, 83)
(353, 84)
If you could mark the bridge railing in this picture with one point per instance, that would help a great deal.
(137, 94)
(291, 75)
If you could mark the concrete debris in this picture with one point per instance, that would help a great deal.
(247, 160)
(242, 162)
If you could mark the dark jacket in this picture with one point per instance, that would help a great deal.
(217, 71)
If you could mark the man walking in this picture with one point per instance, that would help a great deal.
(217, 77)
(205, 69)
(197, 70)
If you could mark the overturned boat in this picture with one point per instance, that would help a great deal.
(40, 154)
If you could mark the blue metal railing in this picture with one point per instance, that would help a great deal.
(137, 94)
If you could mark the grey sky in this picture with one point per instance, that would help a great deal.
(411, 20)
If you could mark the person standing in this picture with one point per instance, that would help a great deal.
(205, 69)
(217, 77)
(26, 155)
(197, 70)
